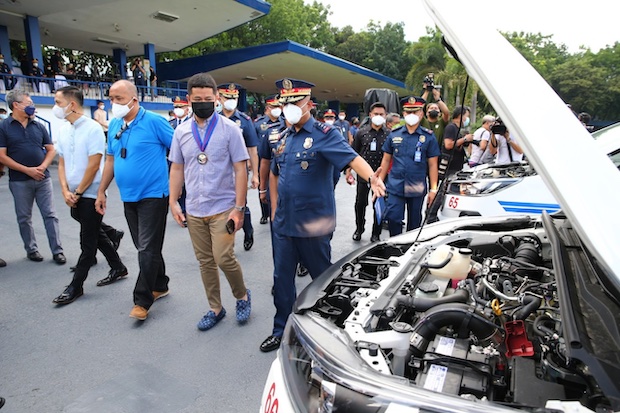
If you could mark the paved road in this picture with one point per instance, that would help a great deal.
(89, 356)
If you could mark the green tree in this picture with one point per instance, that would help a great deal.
(539, 50)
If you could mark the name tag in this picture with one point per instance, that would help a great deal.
(373, 145)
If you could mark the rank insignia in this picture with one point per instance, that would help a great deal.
(397, 140)
(308, 143)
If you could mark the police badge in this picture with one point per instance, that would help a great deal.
(308, 143)
(422, 139)
(287, 84)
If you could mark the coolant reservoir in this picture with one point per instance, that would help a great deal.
(456, 267)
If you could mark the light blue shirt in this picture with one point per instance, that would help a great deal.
(210, 187)
(76, 143)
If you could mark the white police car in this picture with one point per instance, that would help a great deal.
(478, 314)
(515, 188)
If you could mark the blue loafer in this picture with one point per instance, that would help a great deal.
(209, 320)
(244, 308)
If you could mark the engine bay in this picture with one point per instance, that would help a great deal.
(477, 317)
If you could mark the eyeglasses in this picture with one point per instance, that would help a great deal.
(120, 132)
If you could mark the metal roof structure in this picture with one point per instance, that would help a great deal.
(257, 68)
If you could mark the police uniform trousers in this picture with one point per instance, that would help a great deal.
(314, 253)
(395, 211)
(361, 202)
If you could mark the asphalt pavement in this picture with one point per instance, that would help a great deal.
(89, 356)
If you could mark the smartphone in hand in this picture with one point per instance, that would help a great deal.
(230, 226)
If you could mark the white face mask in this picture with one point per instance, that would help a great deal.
(293, 113)
(341, 117)
(35, 65)
(60, 112)
(102, 107)
(329, 121)
(218, 107)
(378, 120)
(230, 104)
(1, 60)
(120, 111)
(276, 112)
(179, 112)
(412, 119)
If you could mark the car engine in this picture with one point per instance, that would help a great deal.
(512, 170)
(476, 317)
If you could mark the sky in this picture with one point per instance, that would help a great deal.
(593, 24)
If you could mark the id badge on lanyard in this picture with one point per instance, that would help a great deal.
(373, 145)
(417, 157)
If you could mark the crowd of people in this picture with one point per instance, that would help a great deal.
(199, 164)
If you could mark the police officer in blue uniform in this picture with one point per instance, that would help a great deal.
(413, 150)
(305, 213)
(181, 112)
(270, 124)
(229, 97)
(344, 126)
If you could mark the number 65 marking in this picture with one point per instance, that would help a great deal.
(271, 404)
(453, 202)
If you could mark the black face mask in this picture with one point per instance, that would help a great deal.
(433, 113)
(203, 110)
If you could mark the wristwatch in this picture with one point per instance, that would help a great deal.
(240, 208)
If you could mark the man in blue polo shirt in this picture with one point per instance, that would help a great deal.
(27, 150)
(138, 141)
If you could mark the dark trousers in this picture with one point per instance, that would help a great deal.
(248, 229)
(147, 224)
(313, 253)
(361, 202)
(92, 237)
(395, 212)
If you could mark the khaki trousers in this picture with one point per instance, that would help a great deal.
(214, 247)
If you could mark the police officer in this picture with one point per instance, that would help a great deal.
(181, 112)
(267, 125)
(229, 97)
(344, 126)
(413, 150)
(6, 72)
(305, 218)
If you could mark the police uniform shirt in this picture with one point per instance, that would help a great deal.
(304, 162)
(176, 121)
(343, 126)
(368, 143)
(247, 128)
(4, 68)
(408, 175)
(267, 131)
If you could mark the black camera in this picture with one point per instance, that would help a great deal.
(429, 82)
(498, 128)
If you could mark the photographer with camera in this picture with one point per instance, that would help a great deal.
(480, 153)
(139, 76)
(503, 145)
(437, 114)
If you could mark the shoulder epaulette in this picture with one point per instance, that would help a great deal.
(323, 127)
(245, 116)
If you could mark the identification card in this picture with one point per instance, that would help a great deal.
(417, 157)
(373, 145)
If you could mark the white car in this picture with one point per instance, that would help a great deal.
(516, 188)
(478, 314)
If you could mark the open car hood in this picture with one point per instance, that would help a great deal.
(561, 150)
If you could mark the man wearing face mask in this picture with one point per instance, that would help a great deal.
(453, 153)
(6, 72)
(229, 97)
(101, 117)
(181, 112)
(344, 126)
(267, 126)
(35, 71)
(136, 157)
(209, 155)
(304, 213)
(413, 150)
(368, 142)
(437, 115)
(329, 117)
(27, 150)
(81, 144)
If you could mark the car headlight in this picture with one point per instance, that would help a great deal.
(477, 188)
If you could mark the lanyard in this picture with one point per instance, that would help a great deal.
(202, 145)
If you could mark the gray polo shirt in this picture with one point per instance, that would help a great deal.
(210, 187)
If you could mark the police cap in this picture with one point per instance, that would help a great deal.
(229, 90)
(293, 90)
(412, 103)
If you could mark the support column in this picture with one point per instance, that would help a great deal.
(353, 110)
(120, 58)
(33, 39)
(149, 53)
(334, 105)
(5, 46)
(242, 104)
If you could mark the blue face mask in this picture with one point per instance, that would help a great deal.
(3, 116)
(30, 110)
(466, 123)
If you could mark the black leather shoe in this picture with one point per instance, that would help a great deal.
(301, 270)
(35, 256)
(2, 263)
(116, 240)
(263, 220)
(69, 295)
(113, 276)
(72, 269)
(375, 238)
(271, 343)
(60, 259)
(357, 236)
(248, 242)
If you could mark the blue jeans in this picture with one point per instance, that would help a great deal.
(25, 193)
(147, 224)
(313, 253)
